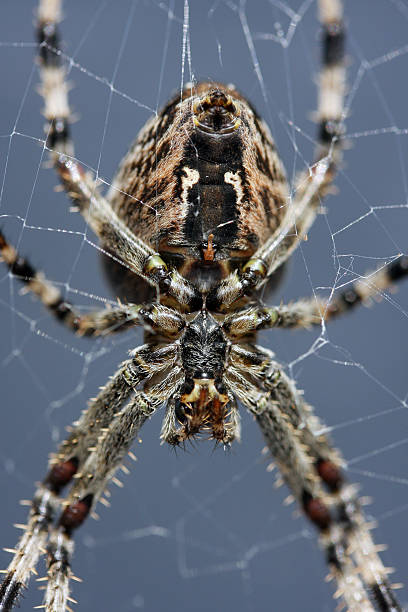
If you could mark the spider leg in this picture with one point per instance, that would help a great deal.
(105, 321)
(104, 459)
(70, 460)
(130, 250)
(312, 469)
(312, 311)
(101, 464)
(312, 184)
(156, 317)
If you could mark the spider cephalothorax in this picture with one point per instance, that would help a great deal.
(203, 401)
(196, 222)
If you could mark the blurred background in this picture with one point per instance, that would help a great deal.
(205, 529)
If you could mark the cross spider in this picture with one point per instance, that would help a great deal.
(209, 165)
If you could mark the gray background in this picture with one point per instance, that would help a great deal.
(207, 530)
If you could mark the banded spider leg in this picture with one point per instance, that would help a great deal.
(313, 471)
(312, 185)
(89, 458)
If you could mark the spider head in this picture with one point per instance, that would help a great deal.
(203, 348)
(204, 409)
(203, 402)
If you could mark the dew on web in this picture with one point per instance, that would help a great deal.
(208, 527)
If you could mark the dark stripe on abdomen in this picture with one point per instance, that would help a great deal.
(211, 207)
(212, 201)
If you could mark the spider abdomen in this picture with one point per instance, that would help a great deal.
(202, 184)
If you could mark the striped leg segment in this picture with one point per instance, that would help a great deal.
(84, 434)
(313, 184)
(29, 548)
(104, 459)
(98, 469)
(91, 324)
(155, 318)
(80, 185)
(347, 531)
(70, 462)
(59, 553)
(54, 87)
(312, 469)
(291, 455)
(332, 83)
(367, 287)
(46, 501)
(312, 311)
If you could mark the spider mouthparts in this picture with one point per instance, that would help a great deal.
(203, 392)
(203, 409)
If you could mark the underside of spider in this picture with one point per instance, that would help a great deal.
(197, 222)
(203, 402)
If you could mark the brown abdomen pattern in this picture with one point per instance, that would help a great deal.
(185, 179)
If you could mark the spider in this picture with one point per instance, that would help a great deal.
(192, 277)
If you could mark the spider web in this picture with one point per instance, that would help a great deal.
(208, 527)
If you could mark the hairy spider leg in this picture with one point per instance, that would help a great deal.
(157, 318)
(80, 185)
(317, 310)
(312, 184)
(70, 460)
(312, 469)
(106, 321)
(98, 470)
